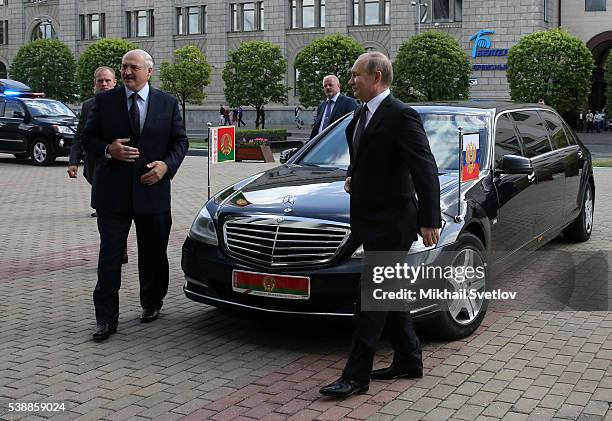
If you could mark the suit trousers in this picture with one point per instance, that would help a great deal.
(152, 233)
(369, 328)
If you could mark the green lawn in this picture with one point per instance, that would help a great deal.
(198, 143)
(602, 163)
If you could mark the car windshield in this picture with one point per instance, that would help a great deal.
(442, 132)
(47, 108)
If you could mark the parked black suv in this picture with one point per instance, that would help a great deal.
(32, 126)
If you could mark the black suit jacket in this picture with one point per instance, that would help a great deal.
(76, 151)
(116, 185)
(393, 162)
(343, 105)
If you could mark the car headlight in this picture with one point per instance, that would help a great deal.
(62, 129)
(416, 247)
(203, 228)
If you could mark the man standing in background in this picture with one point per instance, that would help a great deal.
(335, 106)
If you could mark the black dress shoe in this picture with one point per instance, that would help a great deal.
(94, 215)
(391, 372)
(103, 331)
(149, 314)
(343, 388)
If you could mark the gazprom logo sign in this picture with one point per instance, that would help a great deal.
(482, 48)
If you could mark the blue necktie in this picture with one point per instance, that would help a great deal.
(325, 120)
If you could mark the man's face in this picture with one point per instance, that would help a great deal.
(134, 72)
(331, 86)
(104, 81)
(363, 84)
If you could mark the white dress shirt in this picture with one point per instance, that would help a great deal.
(142, 100)
(331, 110)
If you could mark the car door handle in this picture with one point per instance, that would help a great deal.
(531, 177)
(580, 154)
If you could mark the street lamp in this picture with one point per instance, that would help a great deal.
(418, 4)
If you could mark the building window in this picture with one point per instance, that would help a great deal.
(44, 30)
(140, 23)
(296, 91)
(92, 26)
(442, 11)
(247, 16)
(3, 34)
(595, 5)
(3, 3)
(371, 12)
(191, 20)
(307, 13)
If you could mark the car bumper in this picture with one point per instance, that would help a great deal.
(63, 143)
(333, 290)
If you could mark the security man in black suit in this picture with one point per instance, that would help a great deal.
(390, 161)
(140, 132)
(335, 106)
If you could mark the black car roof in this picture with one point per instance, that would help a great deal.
(484, 104)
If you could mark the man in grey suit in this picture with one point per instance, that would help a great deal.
(104, 79)
(335, 106)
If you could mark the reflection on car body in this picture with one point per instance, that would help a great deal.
(535, 181)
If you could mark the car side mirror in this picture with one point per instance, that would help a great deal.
(286, 154)
(514, 164)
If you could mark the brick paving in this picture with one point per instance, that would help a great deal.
(200, 363)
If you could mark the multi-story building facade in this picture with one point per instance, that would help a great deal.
(485, 29)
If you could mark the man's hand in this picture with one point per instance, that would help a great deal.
(430, 236)
(72, 171)
(347, 185)
(121, 152)
(158, 170)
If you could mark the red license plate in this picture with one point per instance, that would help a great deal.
(271, 285)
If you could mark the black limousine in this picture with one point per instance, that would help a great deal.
(280, 241)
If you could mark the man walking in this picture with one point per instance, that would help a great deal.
(335, 106)
(139, 132)
(390, 161)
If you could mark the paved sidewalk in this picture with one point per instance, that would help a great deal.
(198, 363)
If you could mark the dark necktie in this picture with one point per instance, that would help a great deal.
(360, 128)
(135, 113)
(326, 114)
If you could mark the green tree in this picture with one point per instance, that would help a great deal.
(105, 52)
(608, 80)
(253, 75)
(46, 66)
(187, 77)
(553, 65)
(430, 67)
(330, 55)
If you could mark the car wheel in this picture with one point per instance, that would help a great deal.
(22, 155)
(580, 230)
(458, 318)
(40, 152)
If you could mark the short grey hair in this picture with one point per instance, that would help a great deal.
(146, 57)
(101, 69)
(376, 61)
(331, 77)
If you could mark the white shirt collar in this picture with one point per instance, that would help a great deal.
(375, 102)
(335, 97)
(143, 93)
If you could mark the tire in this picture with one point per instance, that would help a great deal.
(580, 230)
(458, 319)
(22, 155)
(40, 152)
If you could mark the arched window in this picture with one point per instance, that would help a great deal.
(44, 30)
(3, 72)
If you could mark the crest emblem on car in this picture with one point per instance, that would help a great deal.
(269, 284)
(288, 201)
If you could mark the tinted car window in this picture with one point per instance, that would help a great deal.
(531, 129)
(556, 130)
(11, 108)
(506, 141)
(48, 108)
(1, 108)
(332, 150)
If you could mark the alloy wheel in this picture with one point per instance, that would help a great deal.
(465, 310)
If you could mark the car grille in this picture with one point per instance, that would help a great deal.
(283, 241)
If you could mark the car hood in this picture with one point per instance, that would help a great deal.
(292, 190)
(60, 121)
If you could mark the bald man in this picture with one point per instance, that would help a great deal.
(335, 106)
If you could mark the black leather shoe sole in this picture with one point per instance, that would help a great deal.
(390, 375)
(356, 391)
(149, 316)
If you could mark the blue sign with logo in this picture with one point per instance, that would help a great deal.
(482, 48)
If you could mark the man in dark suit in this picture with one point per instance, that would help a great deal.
(390, 161)
(335, 106)
(139, 131)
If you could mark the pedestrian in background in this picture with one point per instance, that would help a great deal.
(335, 106)
(221, 115)
(297, 111)
(589, 121)
(240, 113)
(235, 115)
(141, 156)
(580, 122)
(390, 161)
